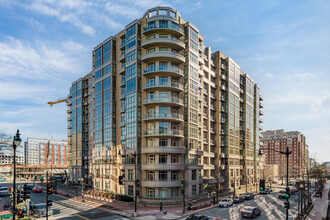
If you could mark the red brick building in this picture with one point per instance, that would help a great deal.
(279, 140)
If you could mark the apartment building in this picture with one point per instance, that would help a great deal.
(279, 140)
(78, 131)
(162, 107)
(45, 152)
(7, 155)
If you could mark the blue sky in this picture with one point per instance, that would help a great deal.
(284, 45)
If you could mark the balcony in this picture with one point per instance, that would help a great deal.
(163, 116)
(123, 82)
(261, 98)
(172, 71)
(241, 90)
(163, 55)
(166, 42)
(261, 121)
(122, 123)
(123, 96)
(161, 166)
(169, 100)
(168, 85)
(174, 30)
(261, 112)
(122, 109)
(223, 77)
(223, 87)
(160, 183)
(69, 111)
(261, 105)
(222, 155)
(163, 149)
(122, 58)
(122, 70)
(163, 132)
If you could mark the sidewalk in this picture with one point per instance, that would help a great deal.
(319, 204)
(127, 210)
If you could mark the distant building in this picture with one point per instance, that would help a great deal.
(7, 154)
(313, 163)
(279, 140)
(36, 151)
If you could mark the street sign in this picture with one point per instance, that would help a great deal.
(8, 216)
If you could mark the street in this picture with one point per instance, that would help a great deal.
(63, 208)
(271, 208)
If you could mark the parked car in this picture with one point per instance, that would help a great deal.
(250, 212)
(293, 190)
(282, 194)
(291, 183)
(4, 191)
(37, 189)
(225, 202)
(248, 196)
(197, 217)
(238, 199)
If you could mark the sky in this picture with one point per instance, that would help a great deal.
(284, 46)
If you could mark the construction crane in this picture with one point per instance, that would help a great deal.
(58, 101)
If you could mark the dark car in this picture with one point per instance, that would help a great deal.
(250, 212)
(248, 196)
(29, 186)
(197, 217)
(239, 199)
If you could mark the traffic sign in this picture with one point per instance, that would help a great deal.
(7, 216)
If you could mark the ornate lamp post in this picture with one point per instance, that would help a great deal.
(16, 142)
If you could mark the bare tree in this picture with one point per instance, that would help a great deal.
(4, 137)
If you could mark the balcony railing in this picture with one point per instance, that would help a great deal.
(163, 99)
(170, 27)
(162, 84)
(163, 69)
(163, 132)
(163, 116)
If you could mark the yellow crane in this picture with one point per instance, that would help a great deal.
(58, 101)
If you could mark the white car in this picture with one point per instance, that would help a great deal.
(225, 202)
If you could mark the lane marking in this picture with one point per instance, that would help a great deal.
(81, 216)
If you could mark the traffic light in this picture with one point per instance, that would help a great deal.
(262, 185)
(182, 183)
(121, 180)
(287, 192)
(18, 197)
(26, 193)
(49, 203)
(182, 191)
(49, 189)
(286, 205)
(137, 183)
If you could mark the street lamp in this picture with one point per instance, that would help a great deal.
(286, 153)
(16, 142)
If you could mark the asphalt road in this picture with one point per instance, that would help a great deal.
(63, 208)
(271, 208)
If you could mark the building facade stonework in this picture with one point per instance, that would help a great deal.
(157, 92)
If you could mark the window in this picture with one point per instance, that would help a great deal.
(98, 124)
(151, 158)
(150, 175)
(162, 158)
(130, 190)
(131, 56)
(131, 43)
(193, 174)
(163, 142)
(98, 74)
(131, 71)
(163, 24)
(163, 65)
(130, 174)
(130, 32)
(131, 85)
(98, 87)
(174, 159)
(107, 69)
(131, 114)
(107, 134)
(193, 58)
(193, 189)
(98, 63)
(98, 53)
(163, 49)
(162, 80)
(131, 130)
(193, 34)
(151, 50)
(162, 175)
(131, 100)
(98, 99)
(107, 83)
(107, 95)
(107, 108)
(107, 58)
(107, 47)
(150, 193)
(107, 121)
(163, 126)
